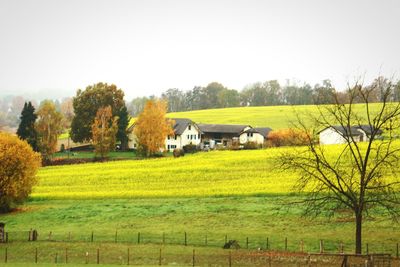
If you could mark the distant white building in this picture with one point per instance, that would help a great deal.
(186, 132)
(338, 134)
(256, 135)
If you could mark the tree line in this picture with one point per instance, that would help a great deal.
(268, 93)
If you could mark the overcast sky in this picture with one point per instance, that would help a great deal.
(148, 46)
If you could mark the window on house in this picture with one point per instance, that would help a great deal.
(190, 127)
(198, 136)
(169, 147)
(188, 136)
(173, 146)
(249, 134)
(175, 137)
(168, 137)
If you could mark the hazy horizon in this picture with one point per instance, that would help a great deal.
(52, 48)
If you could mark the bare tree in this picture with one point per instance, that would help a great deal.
(357, 176)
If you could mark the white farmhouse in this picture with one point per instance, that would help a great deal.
(256, 135)
(185, 132)
(339, 134)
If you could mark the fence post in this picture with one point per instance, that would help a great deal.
(98, 256)
(128, 257)
(6, 237)
(36, 255)
(56, 258)
(230, 258)
(163, 238)
(50, 236)
(267, 243)
(366, 249)
(185, 239)
(397, 250)
(226, 239)
(247, 242)
(285, 243)
(160, 258)
(138, 237)
(92, 237)
(116, 236)
(341, 249)
(206, 241)
(6, 255)
(194, 261)
(87, 257)
(302, 246)
(29, 235)
(66, 255)
(321, 246)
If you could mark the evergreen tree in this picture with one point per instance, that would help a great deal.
(26, 129)
(123, 122)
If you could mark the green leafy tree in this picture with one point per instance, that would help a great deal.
(86, 104)
(18, 167)
(123, 122)
(104, 129)
(26, 129)
(49, 127)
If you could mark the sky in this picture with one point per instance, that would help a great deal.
(53, 47)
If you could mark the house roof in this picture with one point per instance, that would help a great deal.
(222, 128)
(354, 130)
(264, 131)
(181, 125)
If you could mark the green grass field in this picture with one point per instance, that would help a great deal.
(276, 117)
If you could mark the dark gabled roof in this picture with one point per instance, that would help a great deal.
(354, 130)
(181, 124)
(368, 129)
(222, 128)
(264, 131)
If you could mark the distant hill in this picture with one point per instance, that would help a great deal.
(276, 117)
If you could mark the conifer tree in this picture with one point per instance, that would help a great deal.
(26, 129)
(123, 122)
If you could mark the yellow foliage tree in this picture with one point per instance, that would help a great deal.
(49, 127)
(152, 128)
(104, 130)
(18, 166)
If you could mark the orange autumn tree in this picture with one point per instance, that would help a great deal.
(152, 128)
(104, 130)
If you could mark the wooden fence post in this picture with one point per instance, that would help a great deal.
(138, 238)
(397, 250)
(194, 261)
(98, 256)
(321, 246)
(50, 236)
(341, 247)
(285, 243)
(116, 236)
(206, 241)
(92, 237)
(366, 249)
(56, 258)
(87, 257)
(66, 255)
(160, 258)
(230, 258)
(226, 239)
(267, 243)
(247, 242)
(163, 238)
(185, 239)
(302, 246)
(36, 255)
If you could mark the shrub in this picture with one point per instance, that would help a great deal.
(250, 145)
(287, 137)
(18, 166)
(235, 145)
(190, 148)
(178, 152)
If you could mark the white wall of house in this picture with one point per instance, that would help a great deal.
(329, 136)
(251, 137)
(191, 135)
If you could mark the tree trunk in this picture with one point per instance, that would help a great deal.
(359, 232)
